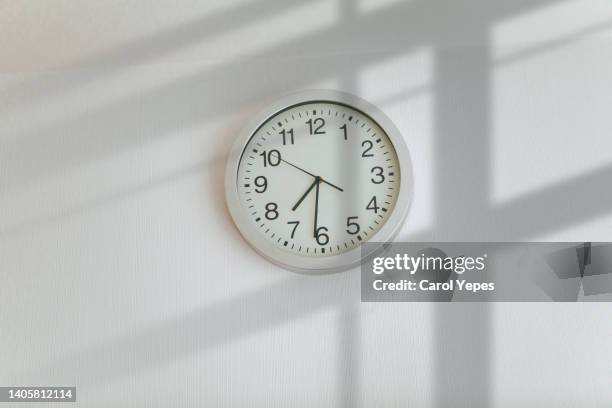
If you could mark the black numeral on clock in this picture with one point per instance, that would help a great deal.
(261, 184)
(284, 133)
(343, 127)
(314, 127)
(271, 211)
(295, 225)
(368, 146)
(352, 227)
(273, 158)
(372, 205)
(378, 173)
(321, 237)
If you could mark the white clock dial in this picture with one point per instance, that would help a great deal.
(319, 178)
(315, 179)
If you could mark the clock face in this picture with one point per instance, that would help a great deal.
(316, 179)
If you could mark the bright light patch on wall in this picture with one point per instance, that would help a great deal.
(290, 25)
(366, 6)
(102, 31)
(397, 77)
(328, 83)
(550, 121)
(547, 106)
(557, 23)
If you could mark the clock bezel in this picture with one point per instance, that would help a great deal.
(329, 263)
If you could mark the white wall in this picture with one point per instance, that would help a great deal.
(121, 271)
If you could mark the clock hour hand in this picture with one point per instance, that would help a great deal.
(314, 183)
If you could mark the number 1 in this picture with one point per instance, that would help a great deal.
(343, 127)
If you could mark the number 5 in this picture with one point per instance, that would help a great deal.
(349, 224)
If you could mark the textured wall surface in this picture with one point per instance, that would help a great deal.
(122, 273)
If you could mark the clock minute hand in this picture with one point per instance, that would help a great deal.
(316, 208)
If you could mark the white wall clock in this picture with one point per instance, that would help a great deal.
(314, 176)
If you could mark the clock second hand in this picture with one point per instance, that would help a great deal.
(307, 172)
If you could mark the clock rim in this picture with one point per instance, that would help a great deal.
(331, 263)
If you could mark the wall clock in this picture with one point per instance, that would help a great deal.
(314, 176)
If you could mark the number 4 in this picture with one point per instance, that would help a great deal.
(372, 205)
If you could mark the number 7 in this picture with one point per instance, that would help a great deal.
(294, 227)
